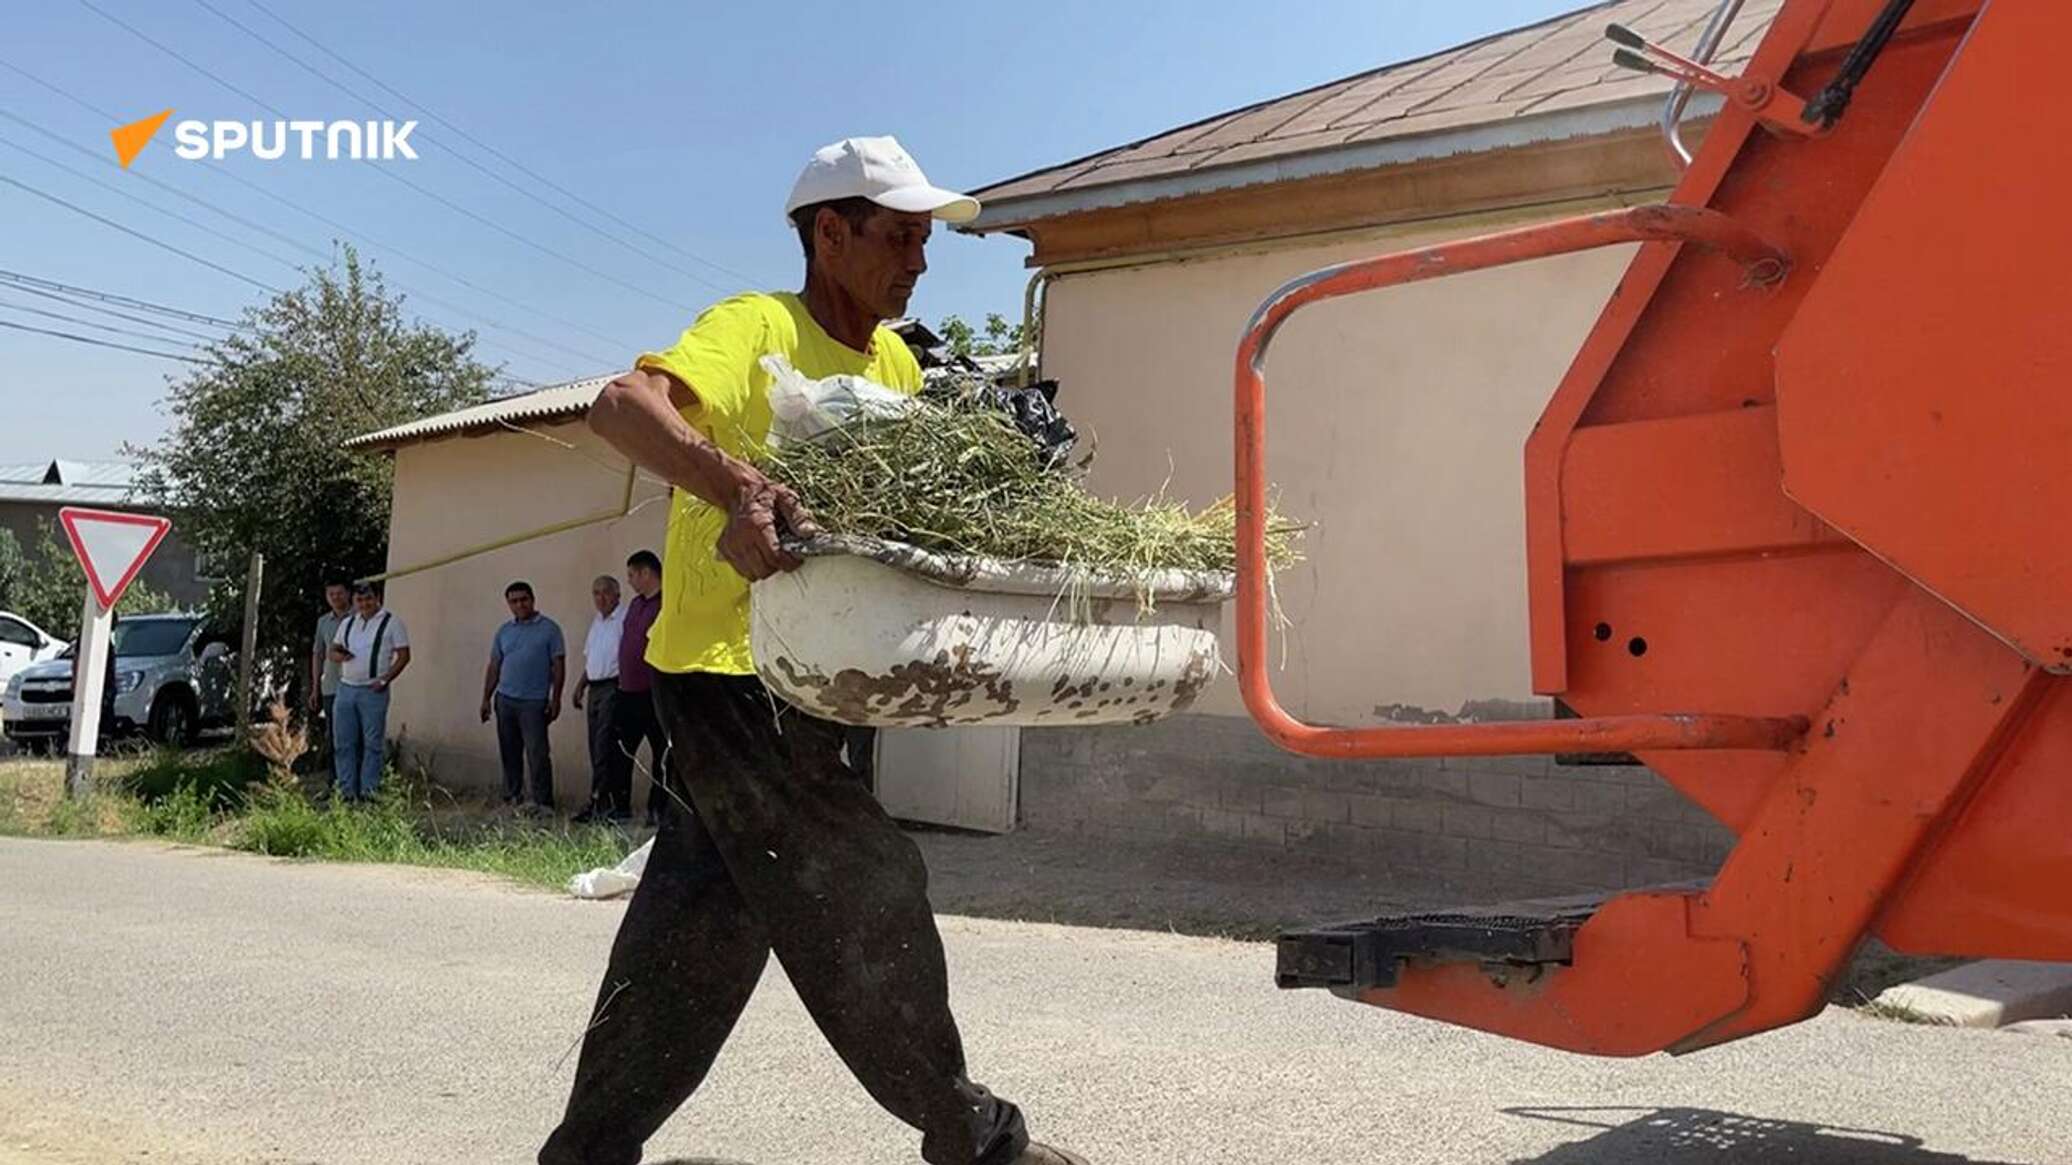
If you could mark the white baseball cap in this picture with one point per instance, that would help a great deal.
(878, 169)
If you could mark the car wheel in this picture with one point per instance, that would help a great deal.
(172, 719)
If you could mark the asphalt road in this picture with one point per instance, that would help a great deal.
(191, 1007)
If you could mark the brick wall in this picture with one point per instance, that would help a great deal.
(1508, 825)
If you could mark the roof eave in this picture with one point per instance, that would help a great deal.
(1587, 121)
(384, 442)
(554, 403)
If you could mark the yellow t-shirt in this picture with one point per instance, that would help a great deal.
(703, 623)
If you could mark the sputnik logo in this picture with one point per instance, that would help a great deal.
(268, 141)
(131, 139)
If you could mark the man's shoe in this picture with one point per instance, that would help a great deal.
(1037, 1154)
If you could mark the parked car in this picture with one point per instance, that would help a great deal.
(23, 643)
(173, 678)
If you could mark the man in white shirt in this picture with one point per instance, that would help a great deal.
(372, 648)
(611, 767)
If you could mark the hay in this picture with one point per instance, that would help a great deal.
(957, 477)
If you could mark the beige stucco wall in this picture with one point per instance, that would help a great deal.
(1397, 423)
(460, 492)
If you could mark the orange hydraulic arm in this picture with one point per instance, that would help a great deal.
(1793, 539)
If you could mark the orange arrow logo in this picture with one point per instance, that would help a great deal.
(131, 139)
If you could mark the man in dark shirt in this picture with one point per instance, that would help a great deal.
(636, 706)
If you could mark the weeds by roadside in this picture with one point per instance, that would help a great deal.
(1899, 1013)
(222, 797)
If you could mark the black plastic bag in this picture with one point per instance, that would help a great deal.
(1033, 410)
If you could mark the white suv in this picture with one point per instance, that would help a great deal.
(171, 678)
(23, 643)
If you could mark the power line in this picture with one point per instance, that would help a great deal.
(99, 343)
(109, 222)
(578, 199)
(102, 159)
(28, 282)
(111, 329)
(390, 173)
(89, 305)
(526, 191)
(5, 280)
(320, 256)
(161, 210)
(128, 231)
(591, 359)
(233, 240)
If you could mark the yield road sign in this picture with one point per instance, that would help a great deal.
(111, 546)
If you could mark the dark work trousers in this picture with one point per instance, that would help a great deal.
(521, 743)
(319, 734)
(610, 770)
(786, 852)
(638, 722)
(862, 754)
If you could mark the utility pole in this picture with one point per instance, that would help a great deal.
(249, 647)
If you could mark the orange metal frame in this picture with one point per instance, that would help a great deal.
(1763, 265)
(1850, 651)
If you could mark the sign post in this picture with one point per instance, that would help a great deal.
(111, 548)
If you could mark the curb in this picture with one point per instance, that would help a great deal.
(1988, 994)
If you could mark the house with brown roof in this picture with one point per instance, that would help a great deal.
(1397, 426)
(1396, 429)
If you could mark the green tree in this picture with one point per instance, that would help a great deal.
(44, 584)
(252, 461)
(998, 337)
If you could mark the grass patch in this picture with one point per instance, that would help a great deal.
(221, 797)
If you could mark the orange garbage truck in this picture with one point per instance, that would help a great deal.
(1797, 539)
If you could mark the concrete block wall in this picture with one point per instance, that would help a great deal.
(1509, 825)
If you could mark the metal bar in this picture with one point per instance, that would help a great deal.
(1680, 97)
(625, 508)
(1635, 733)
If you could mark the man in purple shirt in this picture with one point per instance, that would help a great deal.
(636, 706)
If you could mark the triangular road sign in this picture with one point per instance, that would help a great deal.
(111, 546)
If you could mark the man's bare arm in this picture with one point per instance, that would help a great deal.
(638, 413)
(489, 677)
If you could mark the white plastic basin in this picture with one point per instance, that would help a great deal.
(887, 635)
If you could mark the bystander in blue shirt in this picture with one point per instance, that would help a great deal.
(525, 653)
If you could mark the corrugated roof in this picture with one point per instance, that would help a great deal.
(115, 474)
(1545, 80)
(66, 482)
(556, 400)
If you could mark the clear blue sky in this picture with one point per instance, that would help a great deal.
(686, 120)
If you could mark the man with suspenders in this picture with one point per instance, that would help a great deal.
(372, 648)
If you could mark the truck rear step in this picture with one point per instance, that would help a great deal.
(1351, 957)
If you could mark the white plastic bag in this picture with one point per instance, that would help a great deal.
(801, 408)
(612, 881)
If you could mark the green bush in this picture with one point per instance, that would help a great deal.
(185, 814)
(283, 824)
